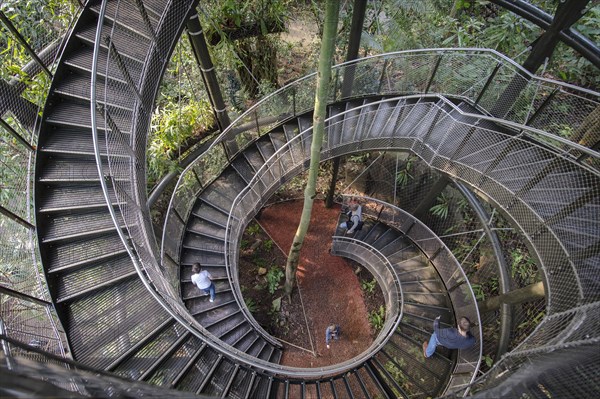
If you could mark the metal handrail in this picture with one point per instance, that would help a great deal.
(224, 145)
(448, 276)
(291, 89)
(252, 197)
(264, 170)
(376, 271)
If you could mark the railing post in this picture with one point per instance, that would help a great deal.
(488, 82)
(16, 135)
(24, 43)
(542, 107)
(433, 72)
(121, 65)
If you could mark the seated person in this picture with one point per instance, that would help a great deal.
(332, 332)
(354, 219)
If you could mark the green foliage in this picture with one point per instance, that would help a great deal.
(251, 304)
(268, 245)
(403, 175)
(274, 276)
(368, 286)
(361, 158)
(172, 126)
(276, 305)
(259, 262)
(486, 289)
(509, 34)
(253, 229)
(534, 314)
(488, 360)
(442, 208)
(394, 368)
(523, 267)
(39, 21)
(463, 33)
(377, 318)
(478, 291)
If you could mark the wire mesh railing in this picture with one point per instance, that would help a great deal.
(445, 150)
(408, 73)
(35, 38)
(26, 369)
(454, 278)
(389, 74)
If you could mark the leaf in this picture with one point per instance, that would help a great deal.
(276, 304)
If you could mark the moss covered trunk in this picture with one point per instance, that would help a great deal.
(322, 92)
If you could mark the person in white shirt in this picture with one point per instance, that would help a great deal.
(203, 280)
(354, 218)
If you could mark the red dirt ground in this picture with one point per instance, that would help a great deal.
(329, 287)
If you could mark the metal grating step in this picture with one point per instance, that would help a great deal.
(203, 242)
(77, 281)
(77, 141)
(75, 225)
(69, 198)
(82, 61)
(69, 113)
(201, 227)
(81, 252)
(77, 87)
(131, 41)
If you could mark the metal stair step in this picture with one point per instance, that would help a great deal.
(203, 242)
(205, 212)
(59, 170)
(131, 15)
(73, 114)
(190, 256)
(222, 326)
(77, 86)
(74, 281)
(380, 118)
(77, 141)
(243, 168)
(81, 60)
(69, 198)
(291, 130)
(197, 298)
(388, 236)
(202, 227)
(400, 244)
(82, 252)
(73, 225)
(131, 40)
(279, 141)
(426, 298)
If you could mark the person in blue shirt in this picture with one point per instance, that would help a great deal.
(451, 338)
(332, 332)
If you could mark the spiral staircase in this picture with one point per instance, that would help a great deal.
(128, 307)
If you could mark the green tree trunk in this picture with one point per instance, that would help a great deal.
(322, 92)
(526, 294)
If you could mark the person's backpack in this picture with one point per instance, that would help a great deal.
(350, 223)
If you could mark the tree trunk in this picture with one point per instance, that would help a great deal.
(525, 294)
(322, 92)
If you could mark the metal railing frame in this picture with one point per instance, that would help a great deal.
(401, 219)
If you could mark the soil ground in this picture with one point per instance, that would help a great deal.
(328, 290)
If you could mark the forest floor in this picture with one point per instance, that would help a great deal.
(328, 287)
